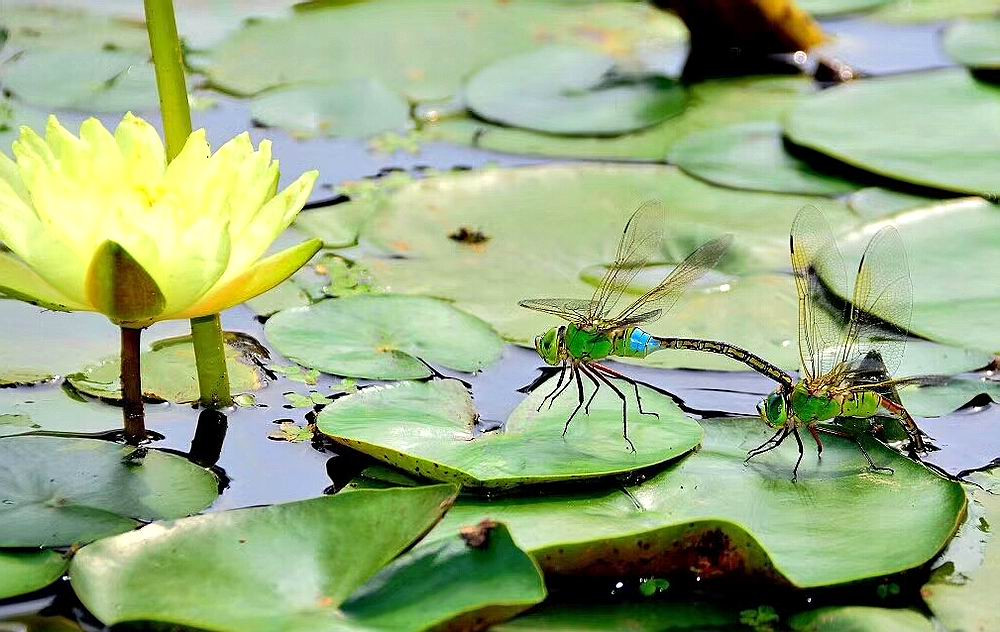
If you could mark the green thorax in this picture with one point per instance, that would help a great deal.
(809, 407)
(587, 345)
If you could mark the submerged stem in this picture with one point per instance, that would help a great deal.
(210, 356)
(206, 332)
(131, 379)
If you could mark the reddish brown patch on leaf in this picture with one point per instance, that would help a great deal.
(478, 537)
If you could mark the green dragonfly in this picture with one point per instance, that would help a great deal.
(598, 331)
(850, 352)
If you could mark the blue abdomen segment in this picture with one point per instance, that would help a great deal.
(642, 343)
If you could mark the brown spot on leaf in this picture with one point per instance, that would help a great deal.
(478, 537)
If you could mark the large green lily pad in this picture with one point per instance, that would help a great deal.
(975, 44)
(710, 105)
(26, 571)
(57, 491)
(299, 566)
(933, 129)
(961, 592)
(940, 399)
(953, 251)
(32, 27)
(571, 91)
(547, 227)
(168, 373)
(427, 429)
(873, 202)
(642, 616)
(89, 80)
(54, 409)
(752, 156)
(354, 108)
(860, 619)
(383, 337)
(425, 50)
(712, 513)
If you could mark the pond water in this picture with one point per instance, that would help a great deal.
(257, 470)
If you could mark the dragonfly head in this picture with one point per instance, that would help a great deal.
(774, 409)
(547, 345)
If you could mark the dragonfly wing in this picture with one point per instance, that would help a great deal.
(882, 303)
(571, 309)
(640, 242)
(821, 324)
(663, 297)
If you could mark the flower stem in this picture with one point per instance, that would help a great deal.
(206, 332)
(131, 380)
(210, 356)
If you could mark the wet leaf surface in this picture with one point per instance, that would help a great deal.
(571, 91)
(921, 128)
(429, 430)
(383, 337)
(712, 514)
(169, 373)
(860, 619)
(53, 409)
(27, 571)
(975, 44)
(57, 491)
(299, 566)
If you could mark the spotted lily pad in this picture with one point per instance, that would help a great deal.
(423, 51)
(975, 44)
(428, 429)
(548, 226)
(26, 571)
(712, 514)
(168, 372)
(710, 105)
(354, 108)
(752, 156)
(57, 491)
(931, 129)
(383, 337)
(571, 91)
(301, 566)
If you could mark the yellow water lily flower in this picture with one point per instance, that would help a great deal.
(102, 223)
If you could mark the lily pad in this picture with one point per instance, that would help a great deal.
(54, 409)
(918, 11)
(548, 226)
(23, 571)
(354, 108)
(710, 104)
(34, 27)
(860, 619)
(953, 253)
(168, 373)
(830, 8)
(296, 566)
(571, 91)
(643, 616)
(712, 513)
(962, 600)
(428, 429)
(975, 44)
(874, 202)
(57, 491)
(383, 337)
(931, 129)
(752, 156)
(939, 400)
(89, 80)
(423, 51)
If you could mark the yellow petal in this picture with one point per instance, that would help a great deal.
(19, 281)
(142, 150)
(10, 174)
(259, 278)
(121, 289)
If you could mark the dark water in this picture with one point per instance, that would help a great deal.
(260, 471)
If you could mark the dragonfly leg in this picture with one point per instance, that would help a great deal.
(802, 450)
(622, 397)
(916, 436)
(625, 378)
(768, 445)
(568, 374)
(579, 403)
(597, 387)
(864, 452)
(562, 375)
(815, 435)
